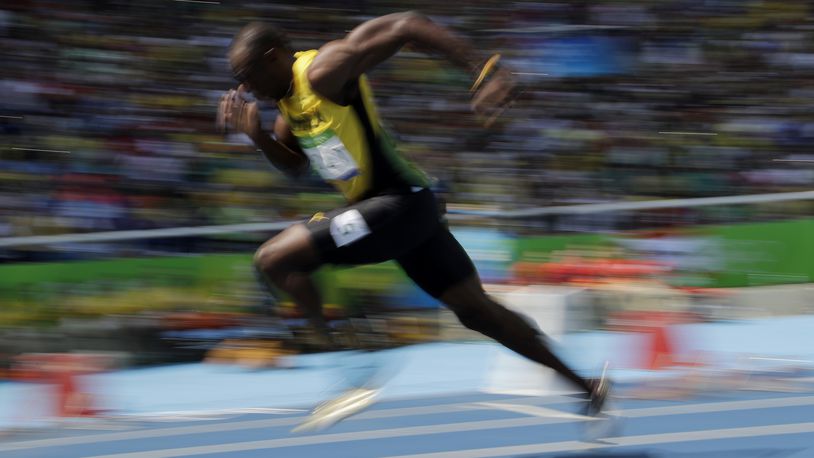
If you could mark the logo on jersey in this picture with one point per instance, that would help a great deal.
(318, 216)
(306, 121)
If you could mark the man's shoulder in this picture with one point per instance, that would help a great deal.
(329, 69)
(331, 45)
(329, 57)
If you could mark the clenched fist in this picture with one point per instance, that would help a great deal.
(237, 114)
(493, 92)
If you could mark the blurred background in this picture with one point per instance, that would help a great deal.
(107, 124)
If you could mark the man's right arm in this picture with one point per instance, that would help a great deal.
(282, 151)
(237, 114)
(282, 157)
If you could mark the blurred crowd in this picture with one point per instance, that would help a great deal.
(108, 112)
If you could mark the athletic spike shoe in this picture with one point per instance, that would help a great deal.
(332, 412)
(599, 394)
(603, 422)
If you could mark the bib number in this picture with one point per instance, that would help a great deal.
(329, 157)
(348, 227)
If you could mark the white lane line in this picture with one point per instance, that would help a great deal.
(207, 415)
(649, 439)
(536, 411)
(397, 432)
(333, 438)
(694, 408)
(256, 424)
(709, 407)
(144, 434)
(440, 429)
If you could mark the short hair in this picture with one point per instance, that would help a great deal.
(259, 37)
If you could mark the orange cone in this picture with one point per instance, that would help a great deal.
(659, 352)
(73, 399)
(660, 338)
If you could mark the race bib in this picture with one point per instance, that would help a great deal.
(348, 227)
(329, 157)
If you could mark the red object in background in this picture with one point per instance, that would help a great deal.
(569, 270)
(65, 372)
(201, 320)
(659, 352)
(74, 396)
(661, 341)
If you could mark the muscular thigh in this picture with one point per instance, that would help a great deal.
(376, 229)
(438, 264)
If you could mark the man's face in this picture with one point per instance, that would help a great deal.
(267, 76)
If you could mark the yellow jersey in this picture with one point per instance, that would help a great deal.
(345, 144)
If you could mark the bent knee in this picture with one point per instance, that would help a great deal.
(289, 251)
(269, 257)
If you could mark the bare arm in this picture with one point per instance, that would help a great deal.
(237, 114)
(342, 62)
(289, 160)
(282, 133)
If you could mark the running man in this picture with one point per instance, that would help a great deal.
(328, 119)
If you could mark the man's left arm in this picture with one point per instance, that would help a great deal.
(342, 62)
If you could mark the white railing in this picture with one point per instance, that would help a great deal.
(458, 215)
(642, 205)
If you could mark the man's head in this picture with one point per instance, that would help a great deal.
(261, 58)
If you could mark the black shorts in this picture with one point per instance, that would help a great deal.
(405, 227)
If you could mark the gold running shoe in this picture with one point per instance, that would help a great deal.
(332, 412)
